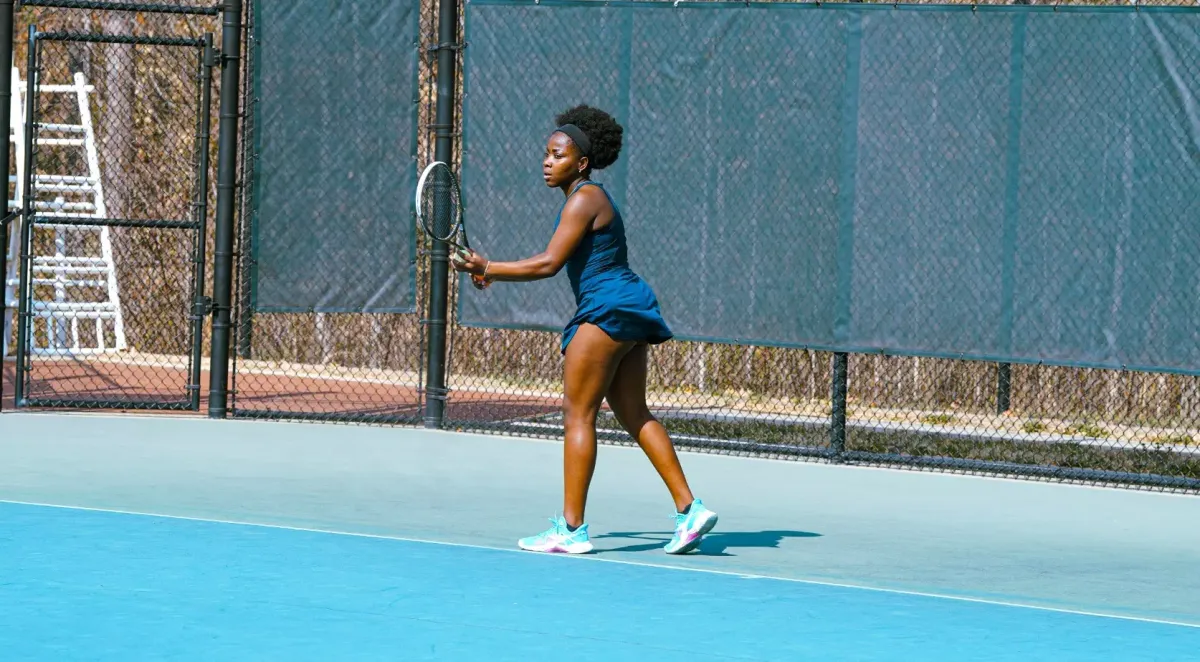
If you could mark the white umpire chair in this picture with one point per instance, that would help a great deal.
(74, 279)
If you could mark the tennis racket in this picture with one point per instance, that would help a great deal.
(439, 208)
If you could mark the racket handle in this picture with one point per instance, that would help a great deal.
(479, 282)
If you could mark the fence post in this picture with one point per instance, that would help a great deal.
(439, 267)
(24, 285)
(201, 303)
(837, 430)
(1003, 387)
(6, 53)
(231, 48)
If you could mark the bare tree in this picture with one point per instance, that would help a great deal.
(117, 119)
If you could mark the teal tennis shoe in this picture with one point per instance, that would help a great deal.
(558, 539)
(690, 528)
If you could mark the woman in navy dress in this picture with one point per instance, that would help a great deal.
(605, 343)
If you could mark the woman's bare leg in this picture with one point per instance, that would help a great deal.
(627, 398)
(592, 359)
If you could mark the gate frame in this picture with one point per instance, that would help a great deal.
(201, 304)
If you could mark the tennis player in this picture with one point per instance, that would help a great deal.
(605, 343)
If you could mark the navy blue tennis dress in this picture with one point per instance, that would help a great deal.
(607, 292)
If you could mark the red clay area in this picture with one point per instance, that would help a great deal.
(93, 381)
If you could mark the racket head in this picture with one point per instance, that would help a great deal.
(439, 202)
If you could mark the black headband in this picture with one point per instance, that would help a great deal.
(577, 136)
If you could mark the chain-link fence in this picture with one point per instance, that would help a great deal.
(740, 122)
(107, 149)
(329, 209)
(977, 358)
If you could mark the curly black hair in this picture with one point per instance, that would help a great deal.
(601, 129)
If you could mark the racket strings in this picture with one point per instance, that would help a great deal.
(440, 204)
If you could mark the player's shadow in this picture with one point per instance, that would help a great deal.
(717, 543)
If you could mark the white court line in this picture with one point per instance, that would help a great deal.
(598, 559)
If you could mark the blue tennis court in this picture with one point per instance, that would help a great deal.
(159, 538)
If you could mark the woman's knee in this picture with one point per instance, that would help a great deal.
(578, 413)
(632, 416)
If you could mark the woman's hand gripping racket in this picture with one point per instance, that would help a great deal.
(439, 208)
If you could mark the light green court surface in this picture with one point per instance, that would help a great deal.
(1095, 550)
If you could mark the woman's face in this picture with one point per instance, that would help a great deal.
(562, 163)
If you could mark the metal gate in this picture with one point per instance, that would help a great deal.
(113, 166)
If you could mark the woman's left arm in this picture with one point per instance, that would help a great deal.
(577, 218)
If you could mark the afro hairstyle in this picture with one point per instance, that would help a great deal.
(601, 129)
